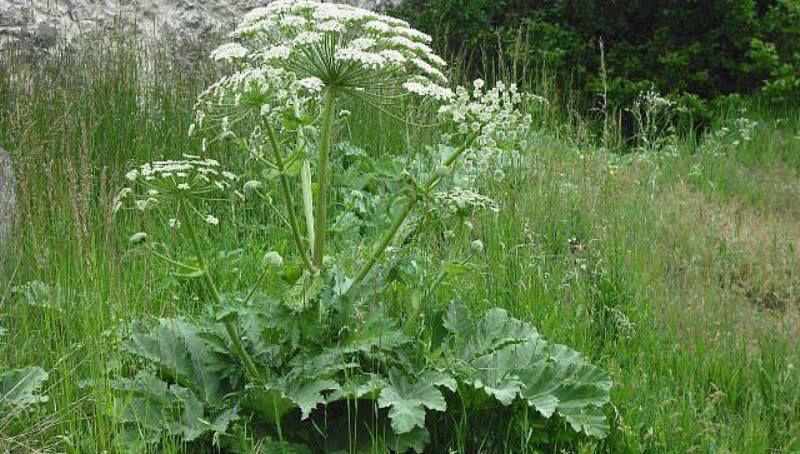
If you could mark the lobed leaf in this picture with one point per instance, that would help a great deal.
(19, 388)
(508, 360)
(407, 401)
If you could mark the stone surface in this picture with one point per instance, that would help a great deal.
(8, 198)
(44, 23)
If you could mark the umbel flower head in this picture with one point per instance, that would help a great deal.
(154, 185)
(348, 49)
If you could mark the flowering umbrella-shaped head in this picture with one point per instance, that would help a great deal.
(348, 49)
(295, 58)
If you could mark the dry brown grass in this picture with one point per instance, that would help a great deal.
(739, 266)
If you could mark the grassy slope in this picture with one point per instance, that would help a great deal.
(681, 277)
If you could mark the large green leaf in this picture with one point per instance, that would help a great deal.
(19, 388)
(508, 360)
(279, 396)
(407, 401)
(183, 350)
(153, 408)
(416, 440)
(309, 394)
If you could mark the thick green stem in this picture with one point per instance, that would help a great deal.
(305, 184)
(308, 202)
(326, 142)
(287, 199)
(379, 249)
(230, 328)
(388, 237)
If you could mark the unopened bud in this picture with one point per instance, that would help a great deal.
(138, 237)
(272, 258)
(476, 246)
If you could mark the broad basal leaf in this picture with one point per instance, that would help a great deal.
(153, 407)
(19, 387)
(180, 348)
(415, 440)
(310, 394)
(407, 401)
(589, 420)
(378, 332)
(359, 387)
(508, 359)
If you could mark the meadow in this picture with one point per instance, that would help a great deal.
(668, 258)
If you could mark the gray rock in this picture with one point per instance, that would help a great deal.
(8, 200)
(42, 23)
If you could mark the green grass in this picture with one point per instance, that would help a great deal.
(679, 274)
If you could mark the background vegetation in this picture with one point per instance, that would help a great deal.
(669, 259)
(706, 49)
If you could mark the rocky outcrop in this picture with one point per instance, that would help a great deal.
(7, 199)
(45, 23)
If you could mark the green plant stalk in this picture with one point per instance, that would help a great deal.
(287, 200)
(398, 221)
(230, 328)
(308, 202)
(305, 184)
(320, 227)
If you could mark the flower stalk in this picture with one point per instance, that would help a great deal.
(388, 237)
(287, 199)
(230, 328)
(326, 142)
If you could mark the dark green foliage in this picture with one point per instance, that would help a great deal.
(19, 388)
(708, 48)
(192, 387)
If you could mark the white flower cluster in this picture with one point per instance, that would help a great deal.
(458, 201)
(495, 122)
(235, 105)
(193, 177)
(329, 44)
(488, 114)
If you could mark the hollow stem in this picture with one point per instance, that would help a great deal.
(326, 140)
(287, 199)
(308, 202)
(378, 250)
(305, 183)
(398, 221)
(230, 328)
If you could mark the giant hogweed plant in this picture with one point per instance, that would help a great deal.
(326, 364)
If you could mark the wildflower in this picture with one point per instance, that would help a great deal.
(132, 175)
(137, 238)
(174, 223)
(493, 122)
(338, 46)
(252, 186)
(476, 246)
(211, 220)
(463, 201)
(272, 258)
(229, 51)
